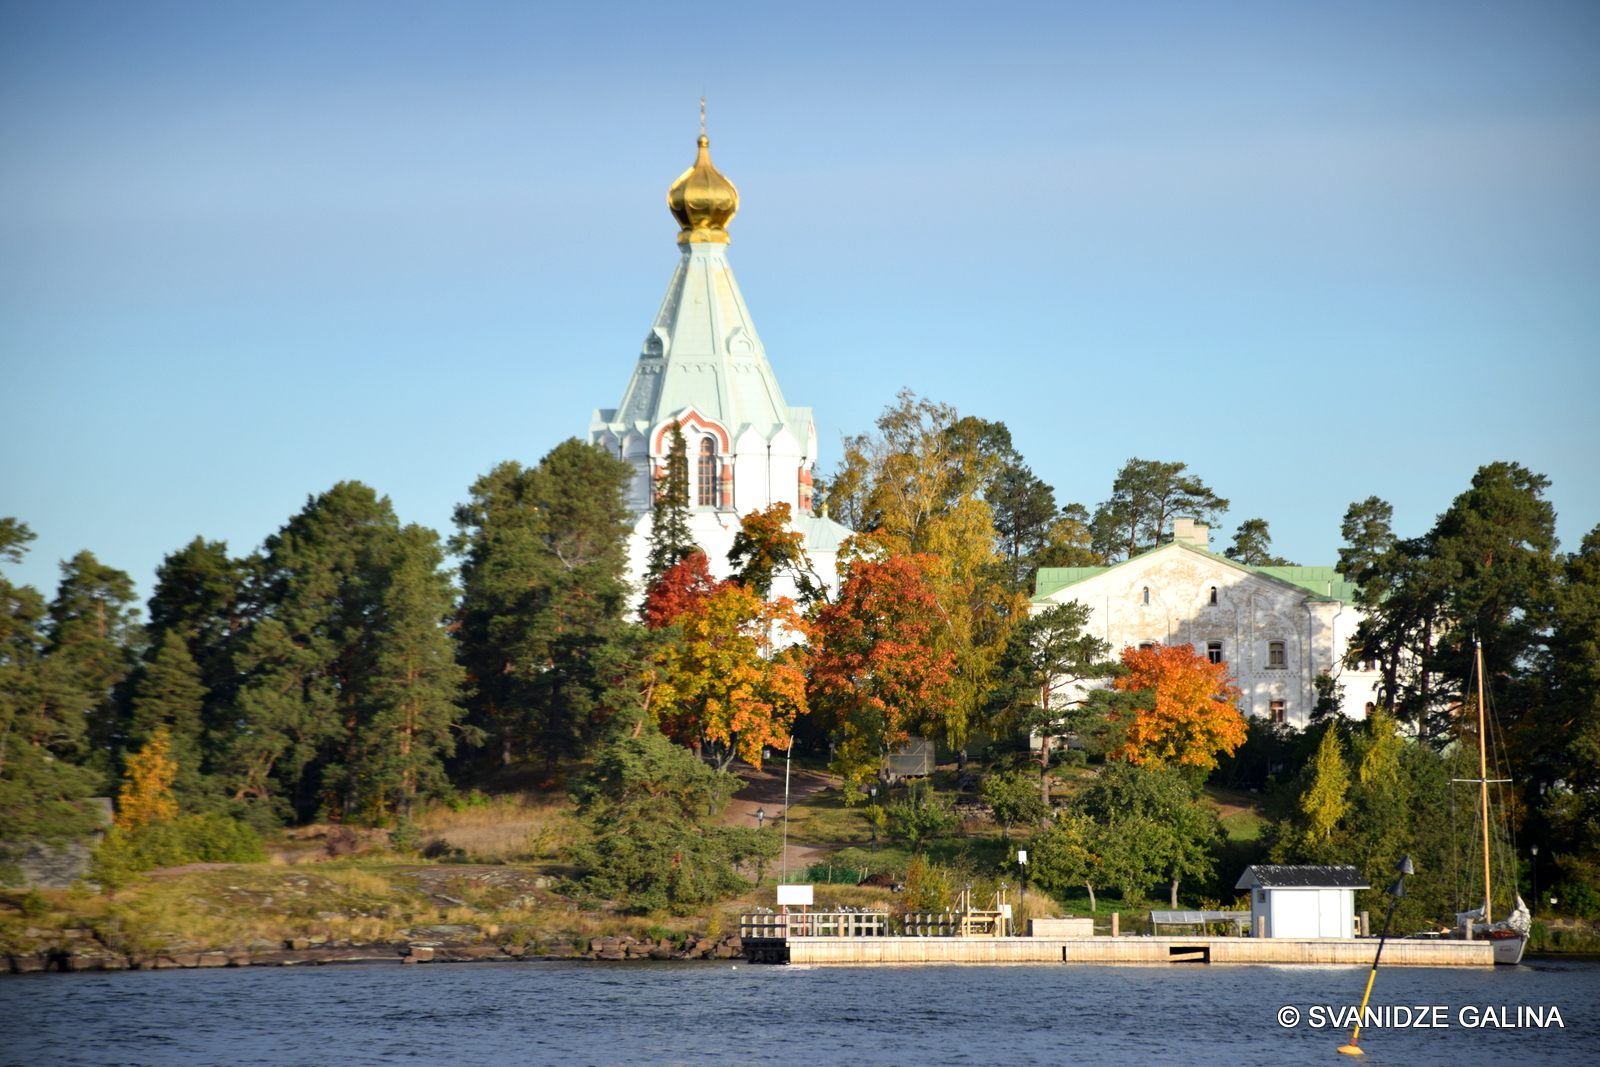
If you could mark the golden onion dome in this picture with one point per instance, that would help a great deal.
(702, 200)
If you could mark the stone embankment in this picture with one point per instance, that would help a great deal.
(84, 950)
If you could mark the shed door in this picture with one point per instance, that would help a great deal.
(1334, 908)
(1294, 912)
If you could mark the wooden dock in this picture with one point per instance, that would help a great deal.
(1164, 950)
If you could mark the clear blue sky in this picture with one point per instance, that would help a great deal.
(1317, 251)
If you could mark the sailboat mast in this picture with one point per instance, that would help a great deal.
(1483, 783)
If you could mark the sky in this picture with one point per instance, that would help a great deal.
(1315, 251)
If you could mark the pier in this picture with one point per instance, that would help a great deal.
(1163, 950)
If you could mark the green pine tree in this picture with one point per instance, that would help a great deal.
(541, 631)
(410, 716)
(1252, 546)
(670, 541)
(42, 788)
(168, 692)
(304, 663)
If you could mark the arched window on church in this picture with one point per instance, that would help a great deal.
(1213, 594)
(706, 475)
(1147, 594)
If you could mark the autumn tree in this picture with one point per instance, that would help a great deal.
(916, 487)
(681, 588)
(732, 683)
(768, 547)
(1325, 802)
(1194, 715)
(879, 673)
(1145, 498)
(146, 794)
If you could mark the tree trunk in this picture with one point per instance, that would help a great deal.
(1044, 768)
(1174, 894)
(1090, 887)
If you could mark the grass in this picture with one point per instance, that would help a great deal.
(520, 827)
(823, 819)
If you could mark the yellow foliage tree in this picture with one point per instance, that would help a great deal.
(725, 685)
(916, 488)
(146, 796)
(1380, 759)
(1326, 801)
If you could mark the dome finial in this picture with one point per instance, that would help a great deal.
(702, 200)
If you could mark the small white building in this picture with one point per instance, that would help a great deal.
(1302, 901)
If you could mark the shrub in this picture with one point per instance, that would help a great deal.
(172, 842)
(922, 815)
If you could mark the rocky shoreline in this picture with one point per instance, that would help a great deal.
(82, 950)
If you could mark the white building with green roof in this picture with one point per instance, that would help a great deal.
(1277, 628)
(703, 367)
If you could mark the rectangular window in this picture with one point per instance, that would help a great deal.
(1276, 657)
(706, 474)
(1214, 651)
(1278, 711)
(1145, 646)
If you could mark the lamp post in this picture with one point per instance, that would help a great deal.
(1535, 850)
(761, 817)
(872, 791)
(1022, 875)
(1396, 891)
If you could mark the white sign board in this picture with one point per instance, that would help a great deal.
(1022, 855)
(794, 894)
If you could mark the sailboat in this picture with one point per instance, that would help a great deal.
(1510, 935)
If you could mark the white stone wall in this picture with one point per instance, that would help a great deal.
(1165, 597)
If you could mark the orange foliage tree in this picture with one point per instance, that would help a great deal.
(880, 669)
(726, 685)
(1194, 717)
(146, 795)
(683, 587)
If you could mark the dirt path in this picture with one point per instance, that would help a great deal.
(763, 791)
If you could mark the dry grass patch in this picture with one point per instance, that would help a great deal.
(520, 826)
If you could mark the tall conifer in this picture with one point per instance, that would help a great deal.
(670, 540)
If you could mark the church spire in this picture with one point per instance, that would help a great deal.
(702, 200)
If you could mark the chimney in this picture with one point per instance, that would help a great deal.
(1193, 533)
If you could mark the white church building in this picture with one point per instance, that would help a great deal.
(703, 367)
(1276, 628)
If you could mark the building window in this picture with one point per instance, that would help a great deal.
(1214, 651)
(1369, 665)
(706, 476)
(1276, 657)
(1213, 596)
(1371, 707)
(1147, 594)
(1145, 646)
(1277, 712)
(1261, 896)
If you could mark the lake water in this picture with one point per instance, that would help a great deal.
(556, 1014)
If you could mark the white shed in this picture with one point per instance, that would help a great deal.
(1302, 901)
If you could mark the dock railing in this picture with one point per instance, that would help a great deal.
(814, 924)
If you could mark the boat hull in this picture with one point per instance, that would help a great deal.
(1508, 950)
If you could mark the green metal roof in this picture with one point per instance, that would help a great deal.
(1323, 583)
